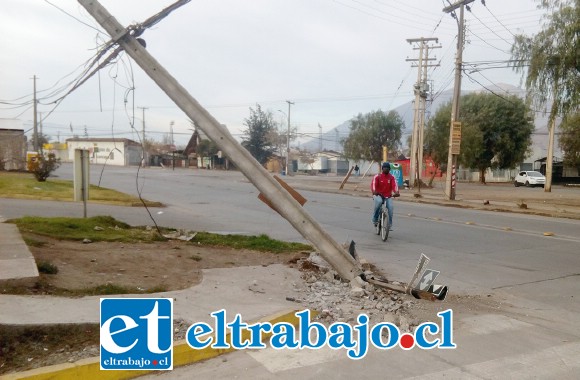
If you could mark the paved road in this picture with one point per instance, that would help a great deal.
(536, 277)
(472, 248)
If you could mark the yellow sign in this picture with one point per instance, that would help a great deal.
(456, 128)
(384, 153)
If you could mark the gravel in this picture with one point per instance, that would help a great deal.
(339, 301)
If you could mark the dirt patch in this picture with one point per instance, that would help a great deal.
(26, 347)
(135, 267)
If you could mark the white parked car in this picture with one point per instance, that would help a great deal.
(530, 178)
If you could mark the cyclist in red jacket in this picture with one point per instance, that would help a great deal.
(384, 187)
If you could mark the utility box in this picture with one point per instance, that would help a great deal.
(397, 172)
(31, 158)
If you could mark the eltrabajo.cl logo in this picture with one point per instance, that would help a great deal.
(136, 333)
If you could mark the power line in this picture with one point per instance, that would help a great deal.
(485, 41)
(488, 28)
(68, 14)
(412, 23)
(493, 92)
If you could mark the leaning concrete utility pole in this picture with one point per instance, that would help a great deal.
(455, 127)
(282, 201)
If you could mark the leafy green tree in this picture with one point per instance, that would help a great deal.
(506, 128)
(550, 63)
(437, 140)
(496, 132)
(570, 140)
(258, 135)
(369, 132)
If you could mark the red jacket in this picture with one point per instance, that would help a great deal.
(384, 184)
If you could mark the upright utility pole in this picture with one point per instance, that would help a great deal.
(279, 197)
(455, 127)
(421, 88)
(550, 156)
(143, 159)
(319, 138)
(40, 129)
(288, 139)
(414, 168)
(35, 121)
(143, 125)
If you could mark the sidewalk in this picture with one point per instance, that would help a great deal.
(16, 260)
(561, 202)
(253, 292)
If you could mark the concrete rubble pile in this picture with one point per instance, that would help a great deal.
(339, 301)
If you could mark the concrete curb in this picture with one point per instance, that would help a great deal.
(473, 204)
(89, 368)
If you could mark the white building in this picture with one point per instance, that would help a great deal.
(111, 151)
(327, 161)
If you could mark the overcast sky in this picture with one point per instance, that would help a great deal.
(333, 59)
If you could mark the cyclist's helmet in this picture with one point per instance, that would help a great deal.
(386, 165)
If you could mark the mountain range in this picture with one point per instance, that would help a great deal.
(331, 139)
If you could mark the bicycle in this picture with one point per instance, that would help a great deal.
(384, 224)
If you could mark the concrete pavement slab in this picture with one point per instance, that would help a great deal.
(253, 292)
(16, 260)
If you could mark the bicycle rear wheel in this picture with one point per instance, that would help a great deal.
(385, 226)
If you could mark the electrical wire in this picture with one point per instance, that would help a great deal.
(399, 17)
(112, 133)
(486, 41)
(77, 19)
(142, 142)
(493, 92)
(488, 28)
(82, 79)
(411, 24)
(21, 113)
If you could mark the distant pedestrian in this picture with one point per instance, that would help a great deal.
(356, 169)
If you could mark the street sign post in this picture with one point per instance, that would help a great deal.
(427, 279)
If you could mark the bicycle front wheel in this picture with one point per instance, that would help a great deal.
(385, 225)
